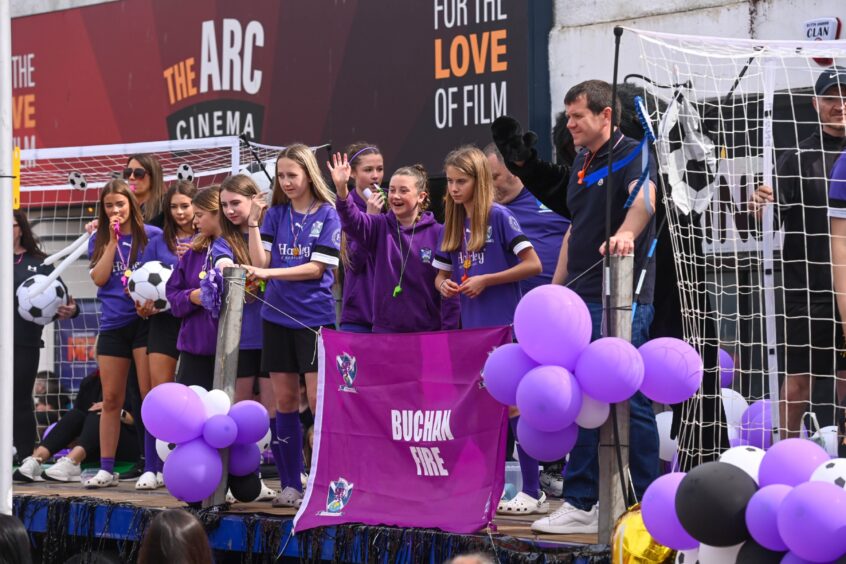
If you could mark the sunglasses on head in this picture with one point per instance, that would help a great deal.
(137, 173)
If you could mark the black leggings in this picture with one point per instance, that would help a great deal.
(84, 428)
(25, 368)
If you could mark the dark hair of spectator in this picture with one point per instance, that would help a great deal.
(14, 541)
(175, 536)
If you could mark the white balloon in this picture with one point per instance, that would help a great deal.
(666, 446)
(718, 554)
(593, 413)
(216, 403)
(829, 437)
(164, 449)
(734, 405)
(747, 458)
(687, 556)
(199, 390)
(264, 443)
(832, 471)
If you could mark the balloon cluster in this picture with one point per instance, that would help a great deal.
(198, 423)
(561, 381)
(786, 504)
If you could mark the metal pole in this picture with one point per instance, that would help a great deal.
(7, 290)
(612, 502)
(226, 357)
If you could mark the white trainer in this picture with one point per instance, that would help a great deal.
(64, 470)
(523, 504)
(29, 470)
(569, 520)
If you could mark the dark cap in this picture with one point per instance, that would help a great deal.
(834, 76)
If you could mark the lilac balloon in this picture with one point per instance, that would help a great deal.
(220, 431)
(659, 513)
(811, 519)
(553, 325)
(504, 370)
(251, 418)
(173, 413)
(544, 446)
(610, 370)
(244, 459)
(593, 413)
(792, 558)
(672, 370)
(791, 462)
(193, 470)
(756, 424)
(726, 369)
(549, 398)
(762, 516)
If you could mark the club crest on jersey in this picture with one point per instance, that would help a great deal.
(340, 492)
(426, 255)
(489, 237)
(348, 370)
(512, 221)
(336, 238)
(316, 227)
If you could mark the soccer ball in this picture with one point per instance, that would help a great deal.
(264, 443)
(832, 471)
(41, 308)
(148, 283)
(185, 172)
(164, 449)
(77, 180)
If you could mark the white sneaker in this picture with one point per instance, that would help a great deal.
(29, 470)
(569, 520)
(552, 483)
(523, 504)
(102, 479)
(148, 481)
(65, 470)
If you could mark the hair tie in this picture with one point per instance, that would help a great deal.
(360, 151)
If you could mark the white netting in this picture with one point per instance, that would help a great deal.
(733, 115)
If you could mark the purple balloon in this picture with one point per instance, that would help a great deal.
(659, 513)
(251, 418)
(544, 446)
(737, 441)
(220, 431)
(173, 413)
(791, 462)
(756, 424)
(504, 370)
(553, 325)
(726, 369)
(762, 516)
(244, 459)
(549, 398)
(610, 370)
(792, 558)
(192, 471)
(811, 520)
(672, 370)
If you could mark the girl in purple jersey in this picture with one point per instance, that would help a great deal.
(366, 171)
(482, 257)
(164, 326)
(301, 237)
(116, 249)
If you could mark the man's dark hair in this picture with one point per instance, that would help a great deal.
(597, 94)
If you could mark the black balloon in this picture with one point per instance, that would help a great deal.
(245, 488)
(753, 553)
(711, 503)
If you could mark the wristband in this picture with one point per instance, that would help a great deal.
(251, 226)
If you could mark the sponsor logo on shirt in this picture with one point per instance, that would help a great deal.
(426, 255)
(316, 227)
(340, 491)
(286, 250)
(476, 257)
(348, 370)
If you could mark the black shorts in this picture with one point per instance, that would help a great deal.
(164, 331)
(195, 370)
(813, 340)
(289, 350)
(249, 364)
(122, 341)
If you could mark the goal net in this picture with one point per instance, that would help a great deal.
(755, 281)
(59, 193)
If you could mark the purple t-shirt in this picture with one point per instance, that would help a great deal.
(837, 189)
(157, 249)
(545, 229)
(117, 308)
(505, 240)
(251, 334)
(357, 305)
(405, 252)
(198, 332)
(316, 237)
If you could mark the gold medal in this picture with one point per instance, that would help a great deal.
(203, 274)
(296, 251)
(128, 273)
(467, 264)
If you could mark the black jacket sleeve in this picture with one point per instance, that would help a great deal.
(546, 181)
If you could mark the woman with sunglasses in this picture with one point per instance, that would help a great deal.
(143, 173)
(27, 340)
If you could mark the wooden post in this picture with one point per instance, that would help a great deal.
(612, 503)
(226, 356)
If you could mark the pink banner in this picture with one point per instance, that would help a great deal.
(405, 435)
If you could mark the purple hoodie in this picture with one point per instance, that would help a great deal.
(198, 333)
(357, 306)
(418, 307)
